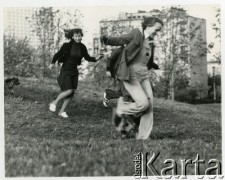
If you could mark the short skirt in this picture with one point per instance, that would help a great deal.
(68, 79)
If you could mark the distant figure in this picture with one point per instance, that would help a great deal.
(136, 60)
(70, 54)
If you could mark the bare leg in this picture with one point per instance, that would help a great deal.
(66, 102)
(62, 95)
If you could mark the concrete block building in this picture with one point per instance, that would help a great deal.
(183, 40)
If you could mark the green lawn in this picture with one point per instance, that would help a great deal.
(39, 143)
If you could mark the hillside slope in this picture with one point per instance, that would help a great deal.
(39, 143)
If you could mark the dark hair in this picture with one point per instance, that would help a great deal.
(150, 21)
(70, 32)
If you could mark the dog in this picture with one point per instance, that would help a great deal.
(126, 123)
(9, 84)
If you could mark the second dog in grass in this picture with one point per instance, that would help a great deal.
(9, 85)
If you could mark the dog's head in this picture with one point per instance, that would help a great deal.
(16, 80)
(124, 125)
(13, 80)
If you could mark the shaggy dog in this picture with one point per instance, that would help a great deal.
(125, 124)
(10, 83)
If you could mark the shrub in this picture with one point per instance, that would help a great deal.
(218, 87)
(18, 57)
(188, 95)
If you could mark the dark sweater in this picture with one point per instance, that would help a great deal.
(64, 52)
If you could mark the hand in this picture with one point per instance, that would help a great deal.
(51, 66)
(99, 57)
(108, 73)
(107, 54)
(155, 66)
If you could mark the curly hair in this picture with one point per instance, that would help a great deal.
(150, 21)
(70, 32)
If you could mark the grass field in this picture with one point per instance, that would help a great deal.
(39, 143)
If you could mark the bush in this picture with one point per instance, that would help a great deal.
(159, 89)
(207, 101)
(188, 95)
(18, 57)
(21, 59)
(218, 87)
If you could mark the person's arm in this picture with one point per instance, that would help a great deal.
(58, 54)
(113, 58)
(119, 40)
(86, 55)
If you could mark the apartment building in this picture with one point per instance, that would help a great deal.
(16, 23)
(182, 40)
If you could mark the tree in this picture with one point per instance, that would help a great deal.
(217, 27)
(18, 57)
(180, 51)
(42, 21)
(65, 19)
(48, 23)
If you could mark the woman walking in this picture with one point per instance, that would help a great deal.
(137, 59)
(70, 54)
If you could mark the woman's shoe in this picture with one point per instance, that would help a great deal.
(52, 107)
(64, 115)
